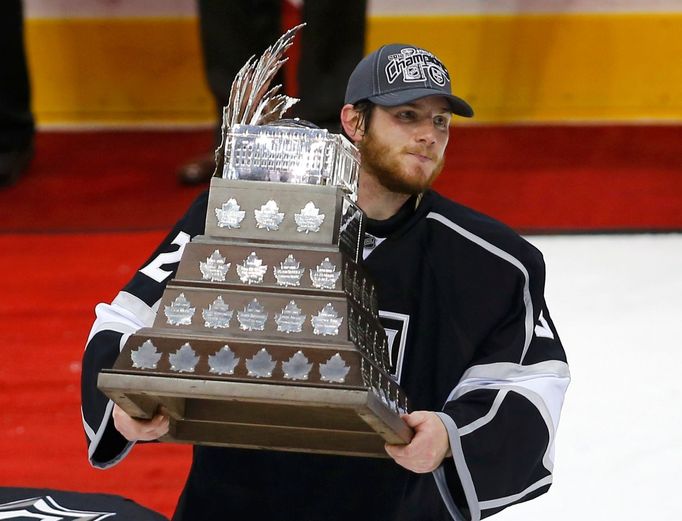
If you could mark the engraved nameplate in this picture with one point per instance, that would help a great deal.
(289, 273)
(251, 271)
(215, 268)
(253, 317)
(229, 215)
(180, 312)
(269, 217)
(218, 314)
(327, 321)
(309, 219)
(325, 275)
(290, 320)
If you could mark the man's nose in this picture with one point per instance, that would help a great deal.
(426, 132)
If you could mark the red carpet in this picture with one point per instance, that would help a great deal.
(533, 178)
(51, 285)
(96, 181)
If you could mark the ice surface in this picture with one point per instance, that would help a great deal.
(616, 301)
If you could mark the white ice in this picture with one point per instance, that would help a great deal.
(616, 301)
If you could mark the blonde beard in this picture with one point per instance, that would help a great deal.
(388, 170)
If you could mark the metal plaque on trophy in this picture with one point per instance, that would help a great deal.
(268, 336)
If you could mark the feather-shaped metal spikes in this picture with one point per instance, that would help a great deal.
(250, 101)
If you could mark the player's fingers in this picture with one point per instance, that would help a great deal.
(139, 430)
(154, 428)
(158, 420)
(417, 419)
(162, 426)
(407, 458)
(393, 450)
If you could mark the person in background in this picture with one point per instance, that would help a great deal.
(332, 42)
(16, 119)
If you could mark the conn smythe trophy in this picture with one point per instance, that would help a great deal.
(268, 336)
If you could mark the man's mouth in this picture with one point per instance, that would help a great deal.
(423, 158)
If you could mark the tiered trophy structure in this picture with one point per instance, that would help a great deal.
(268, 336)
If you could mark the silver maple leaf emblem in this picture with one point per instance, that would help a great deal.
(309, 219)
(269, 216)
(146, 356)
(230, 215)
(215, 268)
(180, 312)
(334, 370)
(327, 321)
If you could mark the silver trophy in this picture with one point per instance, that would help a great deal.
(268, 336)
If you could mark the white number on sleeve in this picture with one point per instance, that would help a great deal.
(153, 269)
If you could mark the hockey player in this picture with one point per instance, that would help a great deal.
(462, 298)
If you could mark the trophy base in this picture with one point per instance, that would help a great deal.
(347, 422)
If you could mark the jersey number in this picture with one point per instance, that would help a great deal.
(542, 329)
(153, 269)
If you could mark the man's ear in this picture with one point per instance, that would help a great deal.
(350, 120)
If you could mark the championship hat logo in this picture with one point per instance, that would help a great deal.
(416, 65)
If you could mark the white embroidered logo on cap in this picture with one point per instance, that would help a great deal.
(414, 65)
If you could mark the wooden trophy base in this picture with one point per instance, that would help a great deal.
(347, 422)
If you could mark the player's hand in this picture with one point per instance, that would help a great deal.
(139, 430)
(428, 447)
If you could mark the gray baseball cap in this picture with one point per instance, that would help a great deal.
(400, 73)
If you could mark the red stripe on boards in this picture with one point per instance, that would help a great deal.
(569, 178)
(557, 178)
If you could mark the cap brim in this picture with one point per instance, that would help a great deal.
(457, 105)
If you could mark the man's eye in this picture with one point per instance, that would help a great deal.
(407, 115)
(440, 121)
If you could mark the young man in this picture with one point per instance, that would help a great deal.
(461, 296)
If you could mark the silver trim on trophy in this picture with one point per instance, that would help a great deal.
(291, 154)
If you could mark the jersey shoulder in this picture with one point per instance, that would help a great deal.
(460, 225)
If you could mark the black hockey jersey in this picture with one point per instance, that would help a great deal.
(462, 299)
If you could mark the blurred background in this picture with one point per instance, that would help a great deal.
(576, 143)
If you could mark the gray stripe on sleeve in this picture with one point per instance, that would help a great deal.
(510, 371)
(94, 441)
(462, 471)
(504, 501)
(467, 429)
